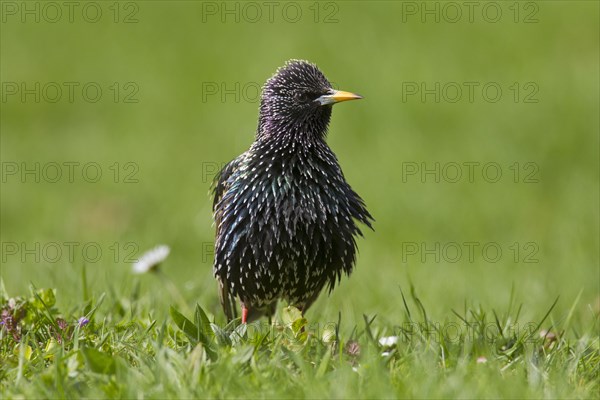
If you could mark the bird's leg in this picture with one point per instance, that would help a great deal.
(244, 314)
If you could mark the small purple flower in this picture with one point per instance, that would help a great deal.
(83, 321)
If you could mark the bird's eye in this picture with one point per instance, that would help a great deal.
(302, 96)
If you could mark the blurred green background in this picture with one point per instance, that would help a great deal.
(171, 140)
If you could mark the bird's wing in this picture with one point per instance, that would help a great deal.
(219, 187)
(221, 182)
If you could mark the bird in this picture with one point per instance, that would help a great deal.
(286, 219)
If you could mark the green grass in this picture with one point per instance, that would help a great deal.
(127, 352)
(172, 140)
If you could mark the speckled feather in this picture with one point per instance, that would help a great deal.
(284, 213)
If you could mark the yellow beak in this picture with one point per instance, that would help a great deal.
(338, 96)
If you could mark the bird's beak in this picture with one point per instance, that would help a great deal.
(337, 96)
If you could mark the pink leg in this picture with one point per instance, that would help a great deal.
(244, 314)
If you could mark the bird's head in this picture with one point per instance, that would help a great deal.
(297, 100)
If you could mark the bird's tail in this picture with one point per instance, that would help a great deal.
(227, 300)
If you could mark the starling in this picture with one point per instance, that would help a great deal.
(285, 216)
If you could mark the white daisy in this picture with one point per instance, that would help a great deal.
(388, 341)
(151, 259)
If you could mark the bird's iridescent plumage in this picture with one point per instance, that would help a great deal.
(285, 215)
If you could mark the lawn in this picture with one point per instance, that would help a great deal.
(475, 148)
